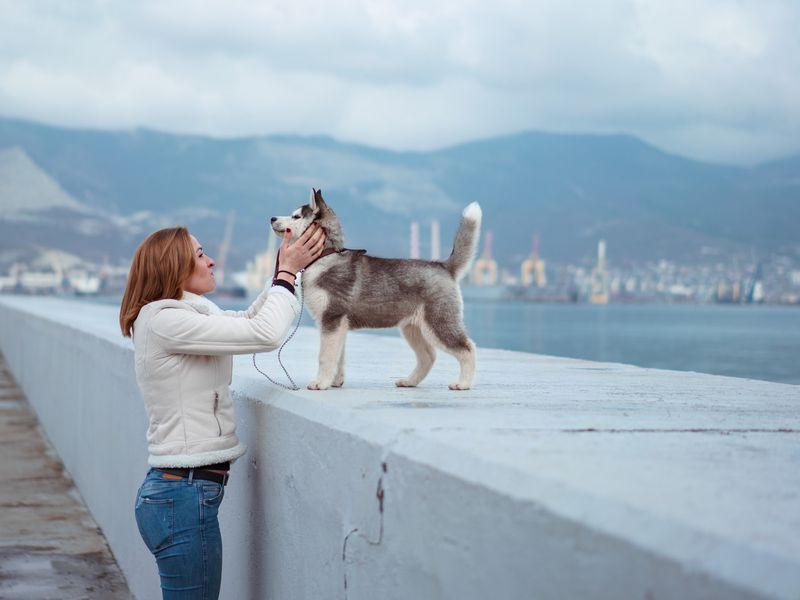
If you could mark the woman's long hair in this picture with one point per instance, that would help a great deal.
(160, 266)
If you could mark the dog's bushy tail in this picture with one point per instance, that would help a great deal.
(466, 243)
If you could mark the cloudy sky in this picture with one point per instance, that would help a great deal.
(711, 79)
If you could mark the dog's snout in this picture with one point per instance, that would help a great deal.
(273, 219)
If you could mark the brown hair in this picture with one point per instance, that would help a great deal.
(161, 265)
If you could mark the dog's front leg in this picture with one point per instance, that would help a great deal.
(338, 381)
(331, 347)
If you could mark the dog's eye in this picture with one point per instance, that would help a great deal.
(295, 216)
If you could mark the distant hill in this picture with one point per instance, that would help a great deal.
(573, 189)
(25, 188)
(36, 215)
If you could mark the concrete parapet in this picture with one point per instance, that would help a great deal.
(552, 478)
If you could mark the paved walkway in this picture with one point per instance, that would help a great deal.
(50, 547)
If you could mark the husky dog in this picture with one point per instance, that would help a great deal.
(347, 289)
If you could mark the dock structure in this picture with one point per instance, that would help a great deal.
(552, 478)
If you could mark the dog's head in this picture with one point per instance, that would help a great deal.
(315, 211)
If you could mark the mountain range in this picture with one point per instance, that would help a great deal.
(98, 193)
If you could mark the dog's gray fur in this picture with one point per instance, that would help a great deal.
(352, 290)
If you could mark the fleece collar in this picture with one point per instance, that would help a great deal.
(201, 304)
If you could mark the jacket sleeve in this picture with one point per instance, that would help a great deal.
(253, 309)
(181, 331)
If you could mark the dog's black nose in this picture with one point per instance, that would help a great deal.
(273, 219)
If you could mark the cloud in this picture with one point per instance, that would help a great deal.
(710, 78)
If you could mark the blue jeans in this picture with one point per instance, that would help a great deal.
(178, 523)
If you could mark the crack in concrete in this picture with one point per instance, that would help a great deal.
(379, 494)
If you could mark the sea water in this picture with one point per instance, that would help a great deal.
(759, 342)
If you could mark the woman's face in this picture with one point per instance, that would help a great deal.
(202, 278)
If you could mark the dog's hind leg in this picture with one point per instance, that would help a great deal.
(466, 361)
(425, 352)
(452, 338)
(331, 347)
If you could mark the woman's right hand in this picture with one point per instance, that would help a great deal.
(299, 254)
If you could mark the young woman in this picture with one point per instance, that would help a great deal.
(183, 345)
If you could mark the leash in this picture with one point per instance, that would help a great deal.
(294, 387)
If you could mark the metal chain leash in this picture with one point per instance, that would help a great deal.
(294, 386)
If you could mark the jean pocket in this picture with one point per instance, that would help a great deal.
(155, 518)
(212, 493)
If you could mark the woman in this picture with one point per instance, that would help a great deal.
(183, 345)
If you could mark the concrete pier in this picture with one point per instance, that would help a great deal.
(50, 547)
(552, 478)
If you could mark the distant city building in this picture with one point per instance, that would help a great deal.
(414, 250)
(435, 242)
(713, 278)
(599, 293)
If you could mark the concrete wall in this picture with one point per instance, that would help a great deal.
(553, 478)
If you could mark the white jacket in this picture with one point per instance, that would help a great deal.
(183, 351)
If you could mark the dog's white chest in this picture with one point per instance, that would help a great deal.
(315, 298)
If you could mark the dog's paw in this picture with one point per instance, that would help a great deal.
(316, 385)
(405, 383)
(338, 382)
(458, 386)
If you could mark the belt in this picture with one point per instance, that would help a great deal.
(198, 474)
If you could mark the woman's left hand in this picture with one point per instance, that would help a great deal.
(298, 255)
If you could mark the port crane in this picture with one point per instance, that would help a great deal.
(224, 248)
(532, 269)
(484, 272)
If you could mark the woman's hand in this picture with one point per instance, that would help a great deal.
(307, 248)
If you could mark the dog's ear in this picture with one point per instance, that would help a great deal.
(318, 199)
